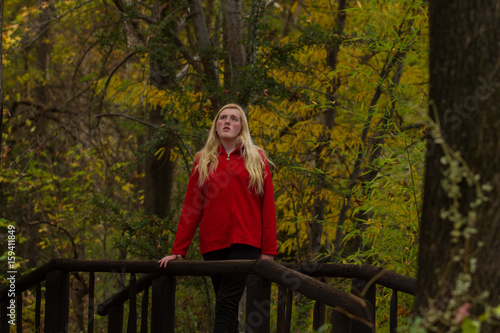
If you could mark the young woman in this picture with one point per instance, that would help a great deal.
(230, 197)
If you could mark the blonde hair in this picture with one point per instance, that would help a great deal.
(253, 155)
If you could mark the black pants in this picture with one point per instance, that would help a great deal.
(229, 288)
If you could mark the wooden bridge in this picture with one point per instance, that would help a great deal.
(354, 312)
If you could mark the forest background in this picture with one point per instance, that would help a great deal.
(106, 103)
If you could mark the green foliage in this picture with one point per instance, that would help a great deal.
(140, 238)
(464, 323)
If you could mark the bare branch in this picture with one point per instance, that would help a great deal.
(126, 116)
(127, 57)
(71, 238)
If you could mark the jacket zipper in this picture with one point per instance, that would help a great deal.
(230, 196)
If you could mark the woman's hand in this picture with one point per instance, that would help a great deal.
(164, 261)
(267, 257)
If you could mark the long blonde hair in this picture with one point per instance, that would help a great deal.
(253, 155)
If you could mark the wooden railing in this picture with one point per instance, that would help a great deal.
(353, 312)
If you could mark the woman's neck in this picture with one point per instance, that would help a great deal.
(229, 146)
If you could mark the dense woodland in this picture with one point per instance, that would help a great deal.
(106, 103)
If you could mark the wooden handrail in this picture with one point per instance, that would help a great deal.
(353, 306)
(200, 268)
(383, 277)
(178, 268)
(292, 277)
(274, 272)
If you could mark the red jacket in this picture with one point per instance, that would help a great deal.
(226, 211)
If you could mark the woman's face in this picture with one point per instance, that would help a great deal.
(229, 124)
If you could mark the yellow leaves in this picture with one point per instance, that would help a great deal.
(174, 153)
(159, 153)
(10, 39)
(289, 245)
(12, 33)
(132, 95)
(127, 187)
(22, 80)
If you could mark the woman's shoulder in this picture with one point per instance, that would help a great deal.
(197, 158)
(261, 152)
(265, 157)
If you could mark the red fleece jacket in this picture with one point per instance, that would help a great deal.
(226, 211)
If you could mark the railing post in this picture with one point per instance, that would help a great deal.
(359, 288)
(4, 313)
(393, 321)
(19, 314)
(90, 319)
(319, 313)
(38, 307)
(285, 305)
(163, 304)
(115, 319)
(289, 310)
(340, 322)
(132, 314)
(281, 316)
(144, 311)
(56, 302)
(258, 304)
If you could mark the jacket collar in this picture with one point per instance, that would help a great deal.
(238, 150)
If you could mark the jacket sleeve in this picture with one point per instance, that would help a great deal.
(192, 211)
(269, 241)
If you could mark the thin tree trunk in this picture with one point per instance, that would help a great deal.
(42, 49)
(329, 115)
(234, 44)
(159, 169)
(1, 79)
(204, 44)
(206, 50)
(255, 16)
(41, 64)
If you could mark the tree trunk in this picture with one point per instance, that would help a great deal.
(41, 62)
(329, 115)
(235, 46)
(460, 230)
(159, 169)
(203, 42)
(42, 49)
(206, 50)
(1, 79)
